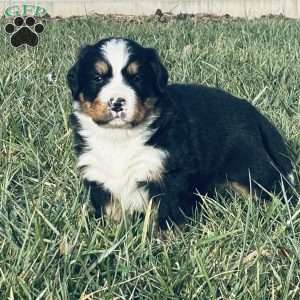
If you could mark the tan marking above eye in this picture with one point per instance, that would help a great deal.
(101, 67)
(133, 68)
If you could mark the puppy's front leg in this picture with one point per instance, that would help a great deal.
(99, 197)
(171, 208)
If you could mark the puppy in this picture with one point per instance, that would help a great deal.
(139, 139)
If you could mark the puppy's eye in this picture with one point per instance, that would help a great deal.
(137, 78)
(98, 78)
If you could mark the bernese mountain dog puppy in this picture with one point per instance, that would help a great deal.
(139, 139)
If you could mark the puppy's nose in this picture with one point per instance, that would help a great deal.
(117, 105)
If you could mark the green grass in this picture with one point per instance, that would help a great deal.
(51, 247)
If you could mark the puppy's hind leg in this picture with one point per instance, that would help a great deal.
(251, 172)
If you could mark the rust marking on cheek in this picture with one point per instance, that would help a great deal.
(101, 67)
(133, 68)
(139, 113)
(142, 110)
(96, 109)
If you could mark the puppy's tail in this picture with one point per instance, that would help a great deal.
(276, 148)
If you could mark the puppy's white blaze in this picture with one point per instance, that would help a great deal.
(117, 53)
(118, 158)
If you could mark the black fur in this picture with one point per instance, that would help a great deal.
(211, 136)
(99, 197)
(79, 142)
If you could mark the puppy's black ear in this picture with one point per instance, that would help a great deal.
(73, 82)
(73, 74)
(159, 70)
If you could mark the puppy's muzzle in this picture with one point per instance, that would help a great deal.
(116, 105)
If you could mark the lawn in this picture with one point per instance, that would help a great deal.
(51, 247)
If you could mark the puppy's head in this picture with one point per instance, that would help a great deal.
(117, 82)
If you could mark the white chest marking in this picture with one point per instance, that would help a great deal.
(119, 159)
